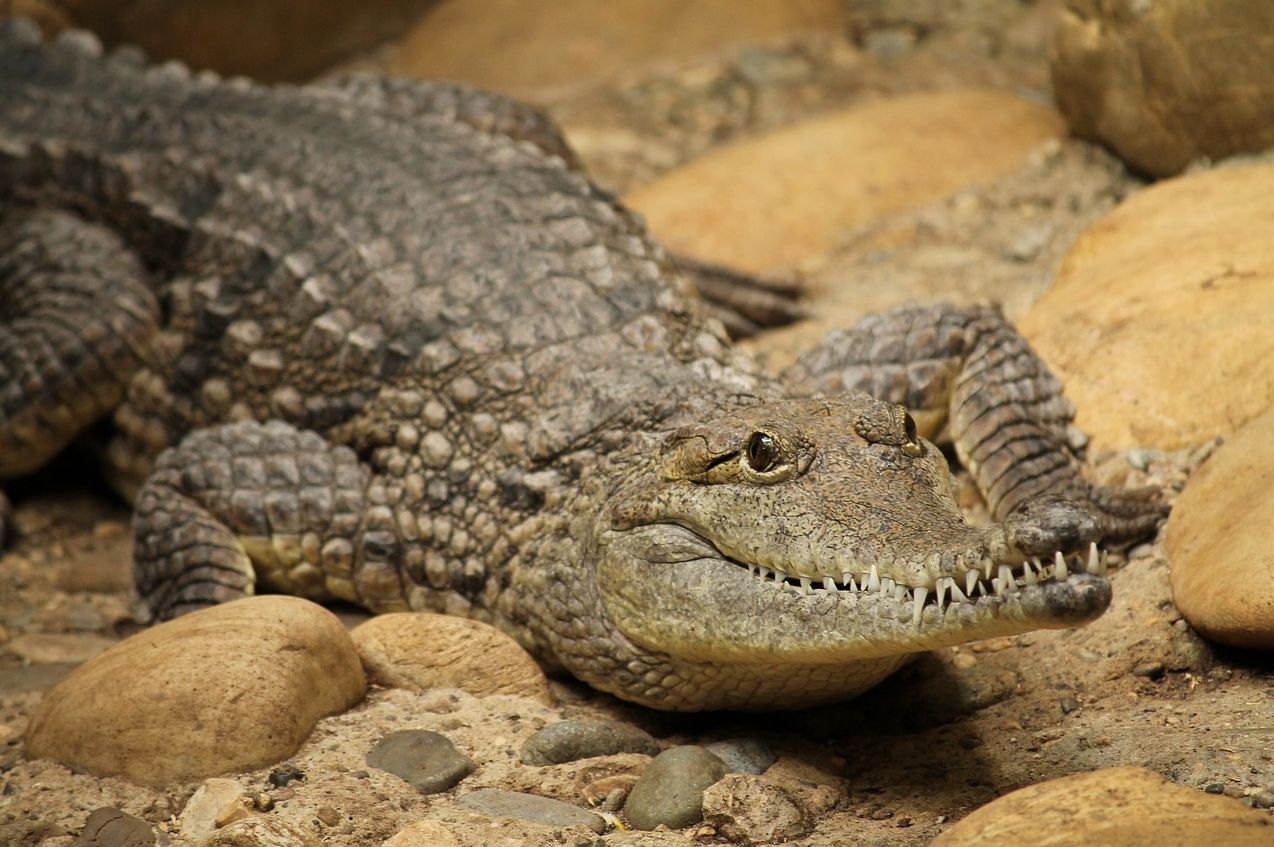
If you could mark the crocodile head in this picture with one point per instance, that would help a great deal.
(799, 551)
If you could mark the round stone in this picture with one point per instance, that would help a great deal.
(670, 790)
(241, 685)
(498, 803)
(1114, 807)
(1166, 82)
(566, 741)
(427, 760)
(422, 651)
(1158, 320)
(1218, 541)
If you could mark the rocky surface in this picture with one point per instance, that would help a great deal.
(421, 651)
(241, 685)
(1160, 320)
(1114, 807)
(1218, 541)
(1167, 82)
(498, 803)
(566, 741)
(769, 204)
(670, 791)
(215, 803)
(895, 767)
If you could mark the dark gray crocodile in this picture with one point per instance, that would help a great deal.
(382, 342)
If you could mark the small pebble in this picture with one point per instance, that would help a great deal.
(567, 741)
(1263, 799)
(1151, 670)
(427, 760)
(1215, 788)
(670, 791)
(743, 755)
(1068, 704)
(328, 816)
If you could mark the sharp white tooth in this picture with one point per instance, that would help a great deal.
(873, 580)
(941, 589)
(1102, 563)
(886, 585)
(780, 577)
(1059, 566)
(805, 585)
(1028, 573)
(987, 565)
(847, 580)
(1094, 560)
(1007, 583)
(1035, 560)
(764, 573)
(981, 588)
(900, 593)
(970, 582)
(918, 604)
(829, 584)
(956, 594)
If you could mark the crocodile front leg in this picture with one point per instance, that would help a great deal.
(243, 504)
(967, 369)
(76, 316)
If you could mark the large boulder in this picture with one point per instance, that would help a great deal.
(1218, 541)
(1160, 320)
(230, 688)
(539, 49)
(1166, 82)
(768, 204)
(1113, 807)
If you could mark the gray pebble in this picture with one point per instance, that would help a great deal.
(670, 790)
(427, 760)
(567, 741)
(743, 755)
(1263, 799)
(499, 803)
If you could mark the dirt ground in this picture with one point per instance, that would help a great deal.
(950, 733)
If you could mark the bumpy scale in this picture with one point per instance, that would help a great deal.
(383, 342)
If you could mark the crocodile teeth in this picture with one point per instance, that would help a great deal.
(805, 585)
(829, 584)
(900, 593)
(1007, 583)
(987, 565)
(1094, 560)
(918, 604)
(1059, 566)
(873, 580)
(941, 595)
(970, 582)
(1028, 573)
(957, 596)
(887, 585)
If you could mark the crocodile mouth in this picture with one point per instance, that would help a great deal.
(989, 580)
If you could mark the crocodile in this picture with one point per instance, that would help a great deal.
(383, 342)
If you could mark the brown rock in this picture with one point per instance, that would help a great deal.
(261, 832)
(1160, 320)
(214, 804)
(423, 834)
(1218, 541)
(115, 828)
(265, 39)
(748, 810)
(539, 49)
(56, 648)
(230, 688)
(420, 651)
(769, 203)
(1113, 807)
(1167, 82)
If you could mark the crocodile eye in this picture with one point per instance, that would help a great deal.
(912, 447)
(763, 453)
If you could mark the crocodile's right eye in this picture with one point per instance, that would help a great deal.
(763, 453)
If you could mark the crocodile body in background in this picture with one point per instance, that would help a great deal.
(412, 358)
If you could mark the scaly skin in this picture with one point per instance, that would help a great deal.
(382, 342)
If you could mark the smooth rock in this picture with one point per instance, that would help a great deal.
(262, 831)
(57, 648)
(1218, 541)
(767, 204)
(115, 828)
(540, 49)
(670, 790)
(1166, 82)
(420, 651)
(748, 810)
(1113, 807)
(427, 760)
(743, 755)
(214, 804)
(498, 803)
(566, 741)
(422, 834)
(239, 685)
(270, 40)
(1160, 320)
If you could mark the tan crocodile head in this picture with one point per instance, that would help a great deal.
(818, 542)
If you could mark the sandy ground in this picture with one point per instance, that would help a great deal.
(950, 733)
